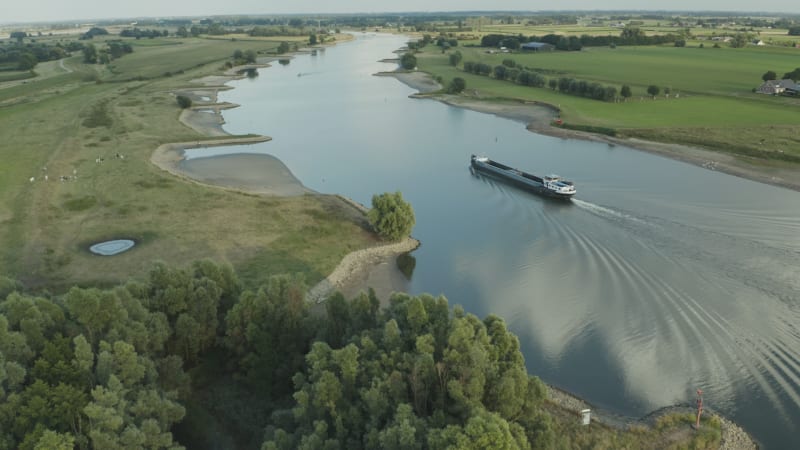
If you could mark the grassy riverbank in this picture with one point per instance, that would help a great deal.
(710, 103)
(63, 125)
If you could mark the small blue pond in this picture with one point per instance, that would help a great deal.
(110, 248)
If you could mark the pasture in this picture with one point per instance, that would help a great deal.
(711, 88)
(60, 127)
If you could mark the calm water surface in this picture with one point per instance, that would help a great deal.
(658, 279)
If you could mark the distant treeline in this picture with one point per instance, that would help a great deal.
(139, 33)
(18, 56)
(629, 36)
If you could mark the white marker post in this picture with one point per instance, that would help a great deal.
(587, 416)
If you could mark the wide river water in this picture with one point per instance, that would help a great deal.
(659, 278)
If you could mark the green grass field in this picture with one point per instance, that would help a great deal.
(65, 122)
(711, 89)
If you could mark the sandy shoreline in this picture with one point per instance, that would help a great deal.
(537, 117)
(372, 267)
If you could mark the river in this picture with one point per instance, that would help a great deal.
(658, 279)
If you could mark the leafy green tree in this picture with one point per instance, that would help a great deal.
(182, 32)
(455, 58)
(625, 92)
(391, 216)
(312, 39)
(18, 35)
(552, 83)
(183, 101)
(769, 75)
(793, 75)
(89, 54)
(653, 90)
(457, 85)
(739, 40)
(408, 61)
(51, 440)
(283, 47)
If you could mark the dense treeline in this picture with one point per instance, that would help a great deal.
(628, 36)
(109, 368)
(509, 71)
(105, 368)
(139, 33)
(416, 375)
(18, 56)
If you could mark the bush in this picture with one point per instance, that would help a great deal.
(408, 61)
(184, 101)
(391, 216)
(456, 85)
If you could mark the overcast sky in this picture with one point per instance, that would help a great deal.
(57, 10)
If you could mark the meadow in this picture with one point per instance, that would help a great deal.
(62, 124)
(711, 89)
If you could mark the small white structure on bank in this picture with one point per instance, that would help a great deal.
(586, 415)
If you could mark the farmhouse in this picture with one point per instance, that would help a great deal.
(538, 47)
(774, 87)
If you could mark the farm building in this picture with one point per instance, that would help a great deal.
(774, 87)
(538, 47)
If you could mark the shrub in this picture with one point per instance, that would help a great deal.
(184, 101)
(456, 85)
(391, 216)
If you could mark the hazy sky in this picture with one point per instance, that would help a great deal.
(52, 10)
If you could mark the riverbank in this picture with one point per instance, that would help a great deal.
(538, 118)
(733, 436)
(373, 267)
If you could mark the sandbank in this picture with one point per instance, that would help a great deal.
(373, 267)
(538, 118)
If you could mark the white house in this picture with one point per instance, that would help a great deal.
(774, 87)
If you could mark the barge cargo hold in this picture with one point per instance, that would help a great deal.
(551, 185)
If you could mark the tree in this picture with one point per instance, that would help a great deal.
(391, 216)
(455, 58)
(18, 35)
(89, 54)
(456, 85)
(408, 61)
(793, 75)
(739, 40)
(625, 92)
(680, 43)
(283, 47)
(552, 83)
(769, 75)
(312, 39)
(182, 32)
(653, 90)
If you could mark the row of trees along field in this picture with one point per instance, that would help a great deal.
(628, 36)
(509, 71)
